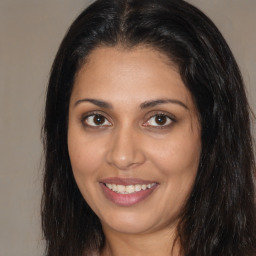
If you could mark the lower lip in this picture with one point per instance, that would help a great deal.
(127, 199)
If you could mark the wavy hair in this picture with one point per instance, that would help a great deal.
(219, 216)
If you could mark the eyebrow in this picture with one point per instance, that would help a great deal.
(99, 103)
(146, 104)
(153, 103)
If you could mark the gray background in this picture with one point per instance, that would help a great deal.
(30, 33)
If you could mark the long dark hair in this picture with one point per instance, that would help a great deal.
(219, 216)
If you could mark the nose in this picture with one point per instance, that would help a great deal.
(125, 149)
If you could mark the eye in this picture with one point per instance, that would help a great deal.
(96, 120)
(159, 120)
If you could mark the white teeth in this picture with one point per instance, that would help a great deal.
(137, 188)
(143, 187)
(114, 187)
(121, 188)
(129, 189)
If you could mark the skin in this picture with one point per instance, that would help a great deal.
(129, 143)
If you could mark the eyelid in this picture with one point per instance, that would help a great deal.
(94, 113)
(159, 113)
(148, 116)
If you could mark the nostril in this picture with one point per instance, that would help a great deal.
(125, 162)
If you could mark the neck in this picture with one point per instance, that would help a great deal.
(154, 244)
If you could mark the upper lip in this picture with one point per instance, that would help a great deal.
(126, 181)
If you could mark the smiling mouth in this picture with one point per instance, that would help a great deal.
(129, 189)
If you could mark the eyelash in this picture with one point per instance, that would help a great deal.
(93, 115)
(170, 120)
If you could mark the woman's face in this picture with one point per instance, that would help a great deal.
(133, 139)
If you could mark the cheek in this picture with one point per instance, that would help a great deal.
(85, 161)
(83, 154)
(178, 155)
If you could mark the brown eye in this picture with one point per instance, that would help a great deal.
(159, 120)
(97, 120)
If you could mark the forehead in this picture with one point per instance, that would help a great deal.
(129, 75)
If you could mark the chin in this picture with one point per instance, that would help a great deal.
(133, 223)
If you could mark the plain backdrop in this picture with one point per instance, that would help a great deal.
(30, 33)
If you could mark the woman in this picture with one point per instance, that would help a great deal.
(147, 137)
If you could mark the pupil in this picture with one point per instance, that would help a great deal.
(161, 120)
(98, 119)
